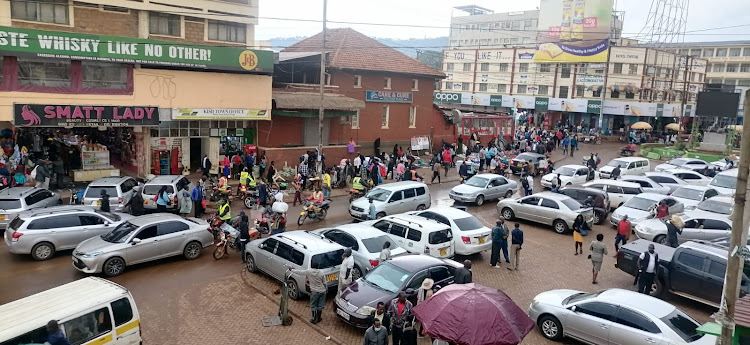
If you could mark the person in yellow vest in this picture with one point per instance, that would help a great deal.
(357, 184)
(225, 211)
(243, 177)
(223, 183)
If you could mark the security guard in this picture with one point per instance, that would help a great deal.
(225, 212)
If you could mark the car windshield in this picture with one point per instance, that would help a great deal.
(96, 191)
(109, 215)
(572, 204)
(579, 297)
(642, 204)
(477, 182)
(724, 181)
(120, 233)
(683, 325)
(688, 193)
(678, 162)
(616, 163)
(10, 204)
(468, 223)
(387, 276)
(565, 171)
(378, 194)
(375, 244)
(715, 207)
(327, 260)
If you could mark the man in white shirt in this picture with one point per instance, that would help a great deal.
(345, 271)
(648, 264)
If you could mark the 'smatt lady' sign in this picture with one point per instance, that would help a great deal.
(53, 115)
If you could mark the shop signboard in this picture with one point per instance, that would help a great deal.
(389, 96)
(496, 100)
(575, 105)
(573, 30)
(594, 106)
(446, 97)
(614, 107)
(555, 104)
(56, 115)
(541, 103)
(480, 99)
(219, 114)
(509, 101)
(524, 102)
(589, 79)
(65, 45)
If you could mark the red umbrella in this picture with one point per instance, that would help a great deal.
(473, 314)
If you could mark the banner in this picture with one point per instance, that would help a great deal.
(65, 45)
(573, 30)
(541, 103)
(446, 97)
(594, 106)
(219, 114)
(53, 115)
(389, 97)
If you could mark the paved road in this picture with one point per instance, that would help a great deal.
(201, 301)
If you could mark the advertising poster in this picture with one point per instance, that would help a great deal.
(573, 30)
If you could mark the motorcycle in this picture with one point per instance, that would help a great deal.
(228, 238)
(356, 194)
(313, 211)
(217, 194)
(628, 150)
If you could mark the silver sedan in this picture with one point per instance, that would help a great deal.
(548, 208)
(484, 187)
(613, 316)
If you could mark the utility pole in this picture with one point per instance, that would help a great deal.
(738, 241)
(604, 91)
(321, 110)
(688, 66)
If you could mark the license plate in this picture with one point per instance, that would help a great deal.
(520, 164)
(443, 252)
(331, 277)
(98, 203)
(481, 240)
(342, 314)
(2, 217)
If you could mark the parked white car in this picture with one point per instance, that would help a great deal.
(642, 207)
(648, 185)
(667, 180)
(628, 166)
(569, 175)
(699, 226)
(693, 164)
(619, 191)
(725, 182)
(690, 177)
(469, 234)
(557, 210)
(719, 204)
(483, 187)
(691, 196)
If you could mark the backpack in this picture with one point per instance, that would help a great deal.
(524, 183)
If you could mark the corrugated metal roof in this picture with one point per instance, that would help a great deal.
(742, 312)
(311, 100)
(285, 56)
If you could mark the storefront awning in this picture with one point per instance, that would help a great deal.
(595, 88)
(311, 101)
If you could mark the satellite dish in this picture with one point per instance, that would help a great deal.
(457, 115)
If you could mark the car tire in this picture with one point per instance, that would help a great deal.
(113, 267)
(559, 226)
(43, 251)
(356, 273)
(657, 287)
(661, 239)
(421, 208)
(380, 215)
(550, 327)
(250, 264)
(598, 218)
(508, 214)
(192, 250)
(293, 290)
(509, 194)
(480, 200)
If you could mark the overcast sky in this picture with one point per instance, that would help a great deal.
(703, 14)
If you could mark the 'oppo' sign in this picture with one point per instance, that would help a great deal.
(447, 97)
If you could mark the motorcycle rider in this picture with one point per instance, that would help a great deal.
(225, 211)
(316, 197)
(223, 184)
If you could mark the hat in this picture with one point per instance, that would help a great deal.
(427, 283)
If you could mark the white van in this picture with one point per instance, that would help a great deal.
(628, 166)
(725, 182)
(89, 311)
(417, 234)
(618, 191)
(392, 198)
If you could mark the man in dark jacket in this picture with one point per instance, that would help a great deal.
(377, 334)
(648, 264)
(499, 242)
(136, 202)
(615, 173)
(400, 313)
(104, 201)
(42, 174)
(463, 274)
(381, 314)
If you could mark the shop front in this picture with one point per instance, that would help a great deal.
(92, 140)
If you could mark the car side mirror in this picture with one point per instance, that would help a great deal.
(106, 223)
(573, 309)
(135, 241)
(262, 246)
(409, 291)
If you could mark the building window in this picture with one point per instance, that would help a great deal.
(46, 11)
(563, 92)
(523, 67)
(503, 67)
(596, 93)
(449, 66)
(732, 67)
(580, 89)
(226, 31)
(565, 71)
(730, 82)
(521, 89)
(355, 120)
(692, 76)
(708, 52)
(483, 87)
(467, 67)
(630, 95)
(614, 94)
(618, 68)
(514, 41)
(721, 52)
(515, 25)
(2, 68)
(384, 117)
(449, 85)
(464, 86)
(718, 67)
(633, 69)
(49, 73)
(743, 82)
(412, 117)
(745, 68)
(484, 67)
(746, 52)
(415, 84)
(387, 83)
(695, 52)
(164, 24)
(650, 70)
(357, 81)
(103, 75)
(544, 68)
(502, 88)
(543, 90)
(735, 51)
(683, 52)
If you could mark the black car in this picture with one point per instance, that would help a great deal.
(516, 164)
(384, 282)
(580, 194)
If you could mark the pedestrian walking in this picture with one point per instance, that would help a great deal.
(674, 227)
(58, 168)
(565, 145)
(598, 251)
(318, 288)
(463, 274)
(197, 197)
(162, 199)
(136, 202)
(41, 174)
(573, 145)
(648, 264)
(104, 201)
(376, 334)
(624, 228)
(580, 229)
(297, 185)
(184, 201)
(385, 253)
(516, 238)
(499, 242)
(423, 293)
(345, 271)
(527, 182)
(244, 228)
(206, 165)
(372, 212)
(435, 170)
(400, 313)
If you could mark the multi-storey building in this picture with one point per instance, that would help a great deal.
(159, 84)
(482, 28)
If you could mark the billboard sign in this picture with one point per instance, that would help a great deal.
(219, 114)
(59, 115)
(389, 96)
(446, 97)
(573, 30)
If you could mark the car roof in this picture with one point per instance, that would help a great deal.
(416, 262)
(422, 223)
(637, 301)
(680, 170)
(552, 196)
(630, 159)
(450, 212)
(311, 242)
(37, 212)
(617, 183)
(659, 173)
(155, 217)
(722, 198)
(700, 188)
(705, 247)
(487, 175)
(359, 230)
(109, 180)
(529, 153)
(704, 214)
(637, 177)
(585, 189)
(164, 179)
(401, 184)
(730, 172)
(17, 192)
(574, 166)
(652, 196)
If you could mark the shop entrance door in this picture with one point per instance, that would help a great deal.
(196, 153)
(310, 136)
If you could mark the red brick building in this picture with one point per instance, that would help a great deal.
(396, 90)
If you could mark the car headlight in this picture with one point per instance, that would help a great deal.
(533, 304)
(365, 310)
(92, 255)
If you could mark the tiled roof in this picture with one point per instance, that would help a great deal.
(350, 49)
(742, 312)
